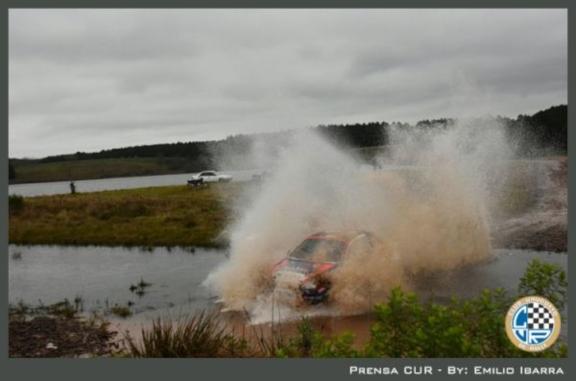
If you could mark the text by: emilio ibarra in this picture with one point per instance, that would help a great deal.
(451, 370)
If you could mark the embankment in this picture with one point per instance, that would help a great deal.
(162, 216)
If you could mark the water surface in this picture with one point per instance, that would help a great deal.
(102, 276)
(62, 187)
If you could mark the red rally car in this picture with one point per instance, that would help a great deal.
(306, 270)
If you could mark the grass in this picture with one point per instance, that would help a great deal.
(64, 309)
(15, 203)
(121, 311)
(202, 335)
(160, 216)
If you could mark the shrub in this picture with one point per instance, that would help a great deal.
(483, 319)
(64, 309)
(341, 346)
(545, 279)
(396, 321)
(15, 203)
(300, 345)
(121, 311)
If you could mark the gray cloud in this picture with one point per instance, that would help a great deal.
(83, 80)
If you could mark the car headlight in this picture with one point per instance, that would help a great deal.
(308, 285)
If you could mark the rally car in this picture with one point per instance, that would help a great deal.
(305, 273)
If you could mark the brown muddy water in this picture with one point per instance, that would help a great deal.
(101, 277)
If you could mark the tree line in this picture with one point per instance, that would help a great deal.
(542, 132)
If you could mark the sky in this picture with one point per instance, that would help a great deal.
(86, 80)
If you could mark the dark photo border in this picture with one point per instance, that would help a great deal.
(104, 369)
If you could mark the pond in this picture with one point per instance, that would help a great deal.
(102, 277)
(62, 187)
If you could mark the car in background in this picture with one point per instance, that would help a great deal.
(205, 177)
(305, 273)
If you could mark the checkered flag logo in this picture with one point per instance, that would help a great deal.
(539, 317)
(533, 323)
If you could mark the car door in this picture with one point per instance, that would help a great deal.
(209, 177)
(361, 245)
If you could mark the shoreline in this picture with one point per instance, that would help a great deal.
(183, 216)
(167, 216)
(183, 171)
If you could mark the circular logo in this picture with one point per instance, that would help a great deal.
(533, 323)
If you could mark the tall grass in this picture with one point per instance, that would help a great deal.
(202, 335)
(162, 216)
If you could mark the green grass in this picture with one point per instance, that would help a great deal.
(160, 216)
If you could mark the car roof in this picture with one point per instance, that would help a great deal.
(336, 236)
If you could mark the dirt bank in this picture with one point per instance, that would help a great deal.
(57, 330)
(57, 337)
(543, 226)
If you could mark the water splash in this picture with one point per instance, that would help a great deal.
(426, 201)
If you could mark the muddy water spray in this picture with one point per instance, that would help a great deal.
(427, 203)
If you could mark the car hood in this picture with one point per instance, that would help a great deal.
(306, 268)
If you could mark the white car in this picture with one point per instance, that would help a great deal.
(209, 177)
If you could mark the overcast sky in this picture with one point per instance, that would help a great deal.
(85, 80)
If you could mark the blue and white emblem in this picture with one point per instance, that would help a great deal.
(533, 323)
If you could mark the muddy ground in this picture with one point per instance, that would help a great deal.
(59, 336)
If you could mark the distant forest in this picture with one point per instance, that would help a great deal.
(543, 133)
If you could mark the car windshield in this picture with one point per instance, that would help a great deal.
(319, 250)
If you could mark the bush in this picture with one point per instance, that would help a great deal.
(64, 309)
(121, 311)
(396, 321)
(300, 345)
(341, 346)
(407, 327)
(545, 279)
(15, 203)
